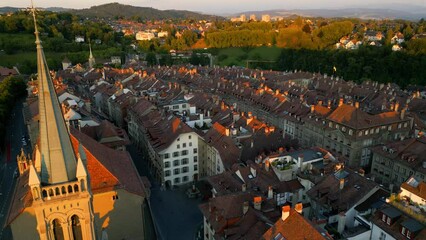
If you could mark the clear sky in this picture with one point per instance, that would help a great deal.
(221, 6)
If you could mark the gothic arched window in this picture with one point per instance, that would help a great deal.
(58, 233)
(76, 228)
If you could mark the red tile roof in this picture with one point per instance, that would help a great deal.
(295, 227)
(108, 169)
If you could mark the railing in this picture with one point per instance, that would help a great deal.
(407, 209)
(61, 190)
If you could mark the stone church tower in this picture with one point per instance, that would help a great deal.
(58, 181)
(72, 187)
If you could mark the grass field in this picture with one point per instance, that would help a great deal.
(239, 56)
(20, 50)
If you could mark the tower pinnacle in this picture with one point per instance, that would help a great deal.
(58, 162)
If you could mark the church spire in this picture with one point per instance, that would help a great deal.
(91, 58)
(58, 162)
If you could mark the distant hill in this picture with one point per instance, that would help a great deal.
(112, 10)
(362, 13)
(14, 9)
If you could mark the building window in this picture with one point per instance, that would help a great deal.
(408, 234)
(185, 169)
(185, 161)
(178, 139)
(377, 130)
(189, 137)
(351, 132)
(382, 236)
(184, 152)
(195, 150)
(176, 171)
(178, 146)
(176, 163)
(384, 218)
(388, 221)
(176, 180)
(195, 167)
(185, 179)
(403, 230)
(167, 173)
(330, 124)
(166, 164)
(190, 144)
(176, 154)
(166, 155)
(195, 159)
(390, 128)
(399, 125)
(184, 145)
(405, 124)
(343, 129)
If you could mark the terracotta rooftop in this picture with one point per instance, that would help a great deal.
(108, 169)
(294, 227)
(327, 192)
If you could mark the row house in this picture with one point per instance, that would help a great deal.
(118, 105)
(218, 151)
(169, 144)
(395, 162)
(403, 216)
(258, 179)
(349, 132)
(333, 199)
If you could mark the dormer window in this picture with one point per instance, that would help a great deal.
(384, 218)
(350, 132)
(389, 221)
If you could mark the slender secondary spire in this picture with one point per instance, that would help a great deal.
(58, 161)
(91, 58)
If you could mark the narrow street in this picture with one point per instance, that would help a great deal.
(13, 143)
(175, 215)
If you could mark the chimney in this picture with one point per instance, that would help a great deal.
(299, 208)
(257, 202)
(357, 105)
(329, 104)
(300, 161)
(245, 207)
(227, 132)
(320, 102)
(267, 165)
(403, 113)
(270, 192)
(342, 183)
(253, 171)
(312, 108)
(285, 212)
(340, 102)
(396, 106)
(243, 187)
